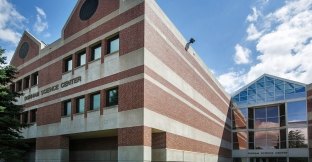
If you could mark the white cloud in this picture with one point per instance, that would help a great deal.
(253, 32)
(242, 55)
(231, 81)
(9, 55)
(41, 23)
(10, 21)
(254, 15)
(285, 49)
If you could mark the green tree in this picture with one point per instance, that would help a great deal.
(12, 144)
(296, 139)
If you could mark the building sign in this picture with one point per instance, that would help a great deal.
(53, 88)
(268, 153)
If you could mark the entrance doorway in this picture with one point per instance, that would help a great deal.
(268, 159)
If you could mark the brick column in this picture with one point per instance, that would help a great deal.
(74, 62)
(87, 105)
(103, 50)
(53, 148)
(134, 144)
(103, 101)
(73, 108)
(88, 56)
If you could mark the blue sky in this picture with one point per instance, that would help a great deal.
(238, 40)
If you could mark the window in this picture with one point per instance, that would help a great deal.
(240, 140)
(113, 44)
(34, 79)
(240, 160)
(239, 119)
(26, 82)
(80, 105)
(12, 87)
(112, 97)
(19, 85)
(96, 52)
(297, 113)
(267, 139)
(266, 117)
(25, 117)
(67, 108)
(81, 58)
(68, 62)
(33, 116)
(298, 159)
(297, 137)
(95, 101)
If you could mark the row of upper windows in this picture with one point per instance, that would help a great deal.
(111, 99)
(25, 83)
(28, 117)
(81, 58)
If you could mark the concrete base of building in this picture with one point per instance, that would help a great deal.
(134, 154)
(52, 155)
(184, 156)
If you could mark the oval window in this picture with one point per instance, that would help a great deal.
(88, 8)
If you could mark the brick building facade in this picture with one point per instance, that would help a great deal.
(120, 86)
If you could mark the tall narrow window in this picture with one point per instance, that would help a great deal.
(26, 82)
(34, 79)
(113, 44)
(80, 105)
(95, 101)
(112, 97)
(96, 52)
(68, 63)
(19, 86)
(67, 108)
(25, 117)
(33, 114)
(12, 87)
(81, 58)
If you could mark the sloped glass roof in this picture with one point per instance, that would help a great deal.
(268, 89)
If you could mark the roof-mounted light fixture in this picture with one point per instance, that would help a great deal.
(191, 41)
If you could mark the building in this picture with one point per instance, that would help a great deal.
(271, 119)
(119, 85)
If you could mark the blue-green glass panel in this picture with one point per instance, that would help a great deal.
(299, 89)
(243, 93)
(236, 98)
(260, 85)
(96, 101)
(114, 46)
(252, 87)
(260, 80)
(81, 105)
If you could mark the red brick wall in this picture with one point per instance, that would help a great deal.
(74, 25)
(171, 86)
(134, 136)
(181, 47)
(32, 52)
(50, 74)
(132, 38)
(131, 95)
(52, 142)
(171, 141)
(182, 143)
(49, 114)
(163, 103)
(167, 55)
